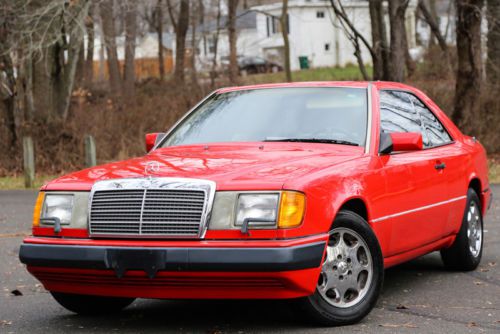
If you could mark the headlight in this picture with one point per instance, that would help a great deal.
(258, 209)
(70, 209)
(265, 210)
(58, 206)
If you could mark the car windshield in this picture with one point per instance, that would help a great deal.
(309, 114)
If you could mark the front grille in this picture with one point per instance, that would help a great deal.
(176, 212)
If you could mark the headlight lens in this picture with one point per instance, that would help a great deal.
(260, 209)
(58, 206)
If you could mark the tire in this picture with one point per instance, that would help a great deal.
(465, 253)
(328, 305)
(91, 305)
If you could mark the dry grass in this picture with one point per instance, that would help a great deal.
(17, 182)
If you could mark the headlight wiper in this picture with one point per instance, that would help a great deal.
(311, 140)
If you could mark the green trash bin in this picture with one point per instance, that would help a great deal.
(304, 62)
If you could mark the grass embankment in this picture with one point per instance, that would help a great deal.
(17, 182)
(317, 74)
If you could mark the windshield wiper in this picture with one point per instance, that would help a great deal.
(310, 140)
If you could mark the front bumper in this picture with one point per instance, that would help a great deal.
(177, 272)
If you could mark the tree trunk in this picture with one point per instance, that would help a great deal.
(398, 50)
(231, 27)
(25, 88)
(411, 66)
(379, 41)
(7, 96)
(180, 39)
(468, 83)
(108, 28)
(159, 30)
(195, 10)
(493, 60)
(89, 59)
(213, 73)
(286, 44)
(65, 66)
(80, 66)
(130, 37)
(43, 84)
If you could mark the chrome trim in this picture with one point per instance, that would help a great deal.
(418, 209)
(369, 120)
(156, 183)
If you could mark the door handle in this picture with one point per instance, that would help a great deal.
(440, 166)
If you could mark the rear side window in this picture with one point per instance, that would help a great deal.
(403, 112)
(436, 133)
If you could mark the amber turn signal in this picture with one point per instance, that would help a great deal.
(38, 209)
(292, 207)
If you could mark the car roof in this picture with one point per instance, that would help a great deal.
(349, 84)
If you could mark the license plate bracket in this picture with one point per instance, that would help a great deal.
(147, 260)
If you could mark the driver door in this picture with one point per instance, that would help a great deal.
(414, 187)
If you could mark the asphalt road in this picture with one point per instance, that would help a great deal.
(418, 297)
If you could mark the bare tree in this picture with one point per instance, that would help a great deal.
(469, 77)
(354, 35)
(286, 44)
(7, 97)
(130, 41)
(159, 31)
(108, 28)
(231, 27)
(216, 44)
(89, 61)
(434, 25)
(181, 25)
(196, 17)
(399, 47)
(379, 40)
(493, 61)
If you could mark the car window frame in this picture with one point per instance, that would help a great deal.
(452, 141)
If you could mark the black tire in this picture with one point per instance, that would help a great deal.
(91, 305)
(459, 255)
(318, 310)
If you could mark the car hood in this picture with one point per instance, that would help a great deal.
(236, 166)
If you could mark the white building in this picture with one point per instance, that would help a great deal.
(314, 33)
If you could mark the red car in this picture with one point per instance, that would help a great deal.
(304, 191)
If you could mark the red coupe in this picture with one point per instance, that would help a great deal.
(305, 191)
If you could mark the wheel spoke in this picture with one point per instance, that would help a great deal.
(347, 256)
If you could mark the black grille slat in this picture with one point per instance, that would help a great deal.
(158, 212)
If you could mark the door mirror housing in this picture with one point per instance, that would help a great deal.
(400, 142)
(152, 139)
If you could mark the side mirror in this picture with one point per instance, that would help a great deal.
(152, 139)
(400, 141)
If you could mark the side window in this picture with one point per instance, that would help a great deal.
(435, 131)
(397, 113)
